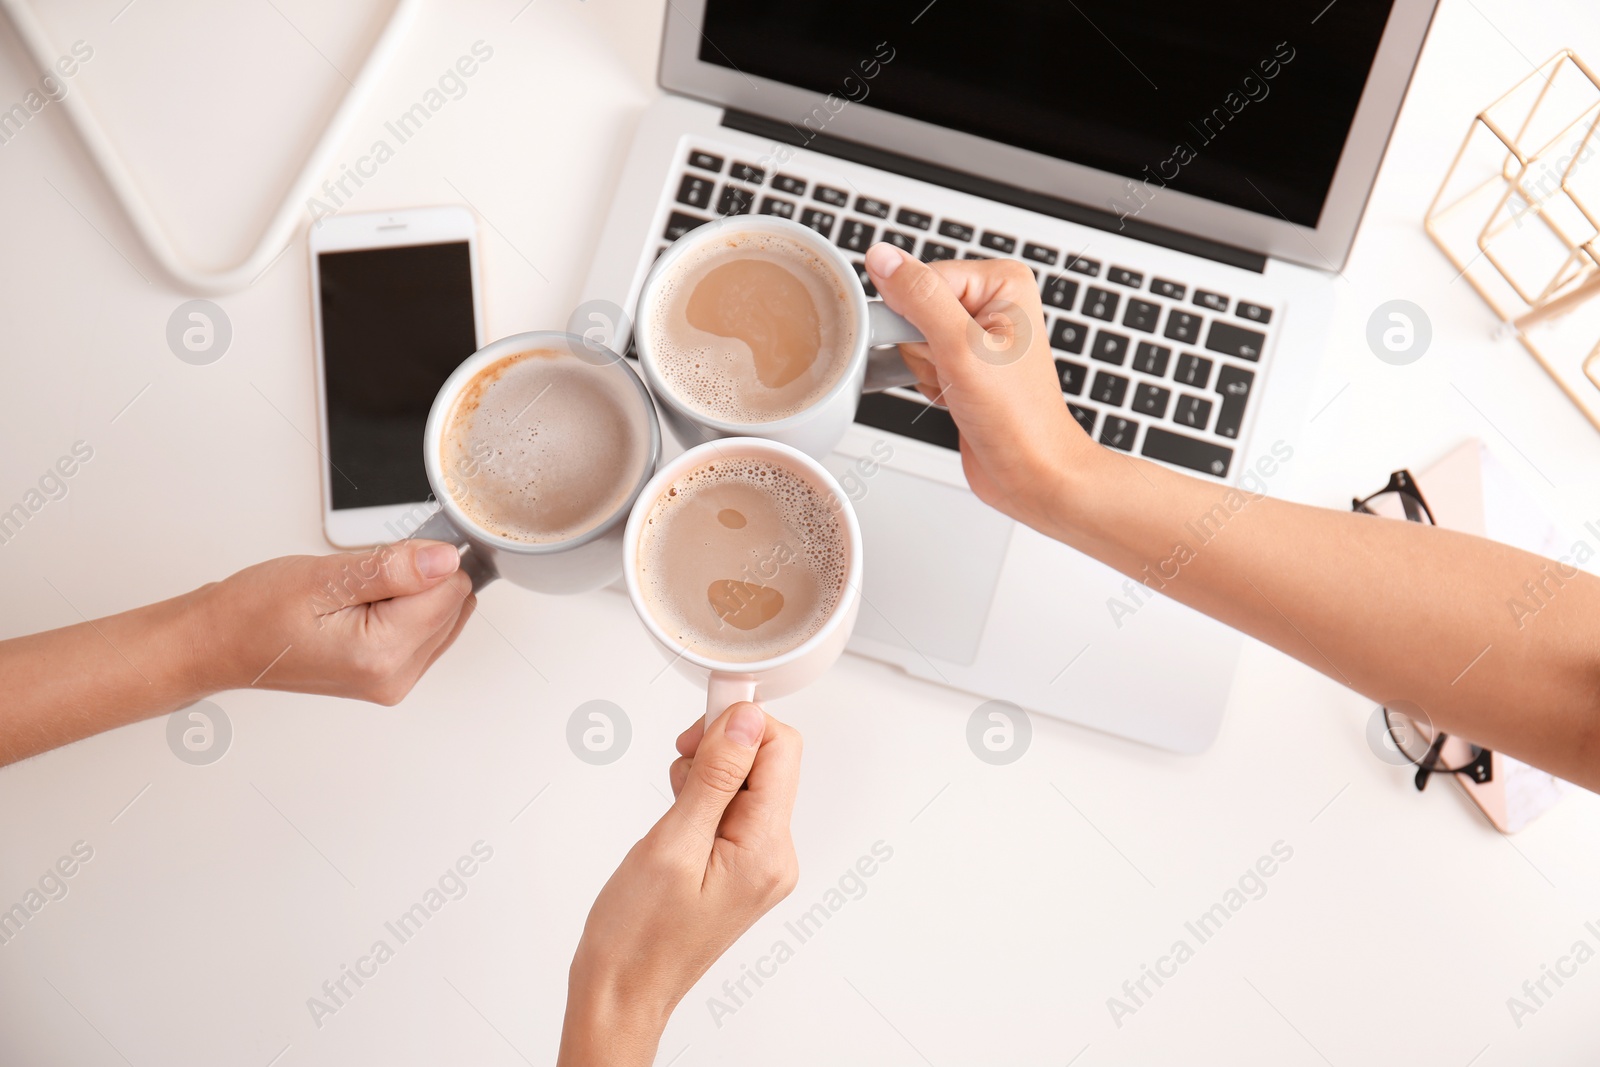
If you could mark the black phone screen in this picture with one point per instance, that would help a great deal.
(395, 323)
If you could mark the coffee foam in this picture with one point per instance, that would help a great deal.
(716, 374)
(542, 447)
(747, 530)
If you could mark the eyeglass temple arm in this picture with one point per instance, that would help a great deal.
(1425, 765)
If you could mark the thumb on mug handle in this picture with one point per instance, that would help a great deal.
(723, 691)
(886, 329)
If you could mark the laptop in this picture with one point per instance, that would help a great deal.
(1185, 181)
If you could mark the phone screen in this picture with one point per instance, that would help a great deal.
(395, 323)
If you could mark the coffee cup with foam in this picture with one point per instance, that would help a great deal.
(743, 559)
(536, 448)
(757, 326)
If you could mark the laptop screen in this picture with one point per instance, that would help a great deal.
(1246, 103)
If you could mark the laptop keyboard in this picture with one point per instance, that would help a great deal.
(1150, 365)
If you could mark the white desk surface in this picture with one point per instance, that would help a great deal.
(1018, 899)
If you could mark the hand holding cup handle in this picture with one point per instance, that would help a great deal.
(475, 563)
(886, 330)
(724, 690)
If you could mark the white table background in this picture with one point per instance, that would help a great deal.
(1018, 898)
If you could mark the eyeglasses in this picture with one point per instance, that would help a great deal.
(1414, 737)
(1404, 487)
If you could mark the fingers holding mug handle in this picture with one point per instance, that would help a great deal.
(725, 690)
(476, 565)
(885, 330)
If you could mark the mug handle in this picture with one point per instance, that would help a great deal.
(479, 567)
(723, 691)
(885, 329)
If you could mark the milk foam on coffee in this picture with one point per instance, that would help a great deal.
(742, 559)
(542, 446)
(751, 327)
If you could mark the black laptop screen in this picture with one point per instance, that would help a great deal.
(1244, 103)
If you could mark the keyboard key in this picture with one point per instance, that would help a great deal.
(975, 255)
(1060, 292)
(866, 279)
(829, 195)
(1039, 254)
(1109, 347)
(821, 221)
(909, 418)
(915, 219)
(1119, 433)
(1085, 416)
(956, 231)
(1072, 375)
(1151, 359)
(1124, 276)
(706, 161)
(1192, 370)
(1233, 340)
(1078, 265)
(1142, 315)
(1069, 336)
(1213, 301)
(695, 191)
(999, 242)
(855, 235)
(1234, 381)
(1234, 384)
(1182, 326)
(1192, 412)
(771, 205)
(932, 250)
(787, 183)
(744, 172)
(1190, 452)
(1100, 304)
(903, 241)
(735, 201)
(1109, 388)
(1151, 400)
(868, 206)
(680, 223)
(1253, 312)
(1170, 290)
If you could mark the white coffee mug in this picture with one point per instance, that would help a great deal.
(588, 561)
(728, 682)
(874, 363)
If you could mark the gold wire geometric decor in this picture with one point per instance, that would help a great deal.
(1518, 214)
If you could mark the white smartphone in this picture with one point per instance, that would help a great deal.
(396, 309)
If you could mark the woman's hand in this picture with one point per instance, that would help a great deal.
(988, 360)
(354, 624)
(714, 864)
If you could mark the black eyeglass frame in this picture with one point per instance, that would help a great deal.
(1481, 768)
(1404, 484)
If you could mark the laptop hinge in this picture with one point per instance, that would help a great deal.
(989, 189)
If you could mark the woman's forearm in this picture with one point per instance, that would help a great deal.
(1395, 610)
(66, 684)
(359, 624)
